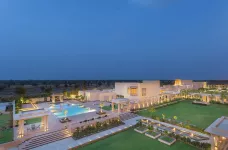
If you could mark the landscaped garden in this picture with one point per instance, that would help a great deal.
(141, 129)
(132, 140)
(6, 132)
(153, 134)
(95, 128)
(167, 140)
(185, 111)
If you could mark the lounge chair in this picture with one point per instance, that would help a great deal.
(33, 127)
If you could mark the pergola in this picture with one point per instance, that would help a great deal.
(120, 102)
(22, 116)
(53, 96)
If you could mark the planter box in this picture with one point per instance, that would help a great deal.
(162, 139)
(200, 103)
(143, 130)
(153, 136)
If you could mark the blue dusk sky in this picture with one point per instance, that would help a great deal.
(113, 39)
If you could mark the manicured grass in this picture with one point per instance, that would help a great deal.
(131, 140)
(34, 120)
(167, 139)
(141, 128)
(201, 116)
(109, 107)
(152, 133)
(6, 135)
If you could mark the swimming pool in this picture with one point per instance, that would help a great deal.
(72, 109)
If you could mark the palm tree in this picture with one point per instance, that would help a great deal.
(101, 105)
(175, 118)
(223, 96)
(163, 116)
(65, 113)
(152, 110)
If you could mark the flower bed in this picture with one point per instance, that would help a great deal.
(153, 134)
(98, 127)
(167, 140)
(141, 129)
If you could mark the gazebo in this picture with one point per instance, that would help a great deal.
(120, 102)
(38, 113)
(53, 97)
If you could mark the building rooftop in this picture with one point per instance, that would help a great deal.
(31, 114)
(219, 127)
(120, 100)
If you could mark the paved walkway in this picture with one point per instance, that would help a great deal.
(182, 129)
(70, 143)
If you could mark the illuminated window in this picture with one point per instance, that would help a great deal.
(143, 91)
(132, 91)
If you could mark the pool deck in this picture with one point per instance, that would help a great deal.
(53, 120)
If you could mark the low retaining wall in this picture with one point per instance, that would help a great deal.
(153, 137)
(165, 142)
(141, 131)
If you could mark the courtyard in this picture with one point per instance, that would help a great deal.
(130, 139)
(198, 115)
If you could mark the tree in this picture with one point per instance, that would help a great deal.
(163, 116)
(152, 110)
(175, 118)
(65, 113)
(21, 91)
(48, 90)
(42, 88)
(101, 106)
(151, 127)
(223, 96)
(65, 93)
(22, 100)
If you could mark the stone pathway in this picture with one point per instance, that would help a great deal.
(70, 142)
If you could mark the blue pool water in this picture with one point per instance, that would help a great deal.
(72, 110)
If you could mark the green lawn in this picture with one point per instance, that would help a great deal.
(131, 140)
(167, 139)
(152, 133)
(109, 107)
(141, 128)
(201, 116)
(6, 135)
(34, 120)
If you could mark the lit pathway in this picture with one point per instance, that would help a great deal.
(69, 142)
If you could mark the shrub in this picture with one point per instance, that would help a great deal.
(99, 126)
